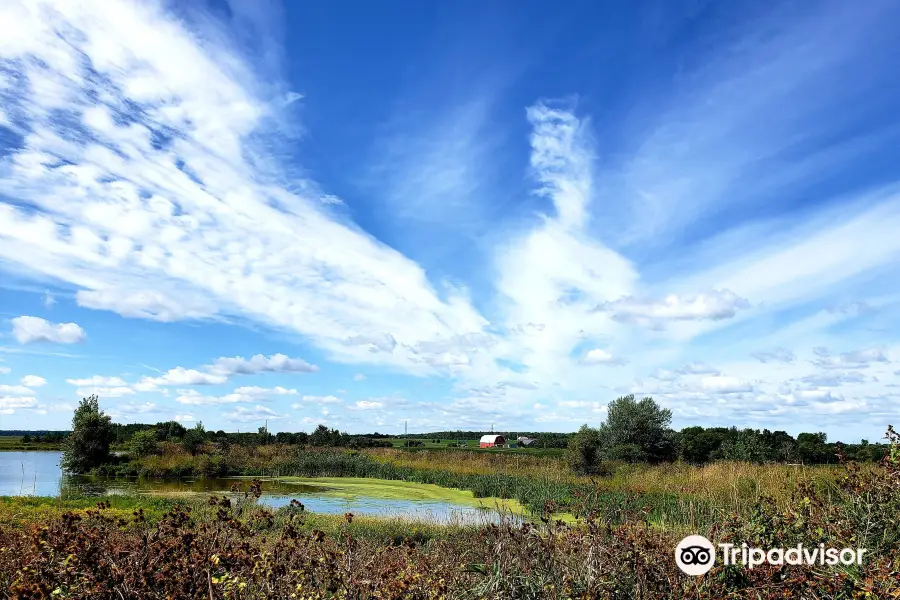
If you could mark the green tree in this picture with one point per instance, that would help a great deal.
(143, 443)
(321, 436)
(747, 446)
(169, 431)
(88, 444)
(193, 438)
(26, 439)
(640, 423)
(584, 451)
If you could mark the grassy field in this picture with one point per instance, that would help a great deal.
(14, 442)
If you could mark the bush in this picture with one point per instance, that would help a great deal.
(584, 451)
(143, 443)
(88, 445)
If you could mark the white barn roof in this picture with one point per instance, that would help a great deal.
(491, 439)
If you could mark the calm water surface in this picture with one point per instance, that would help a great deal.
(39, 474)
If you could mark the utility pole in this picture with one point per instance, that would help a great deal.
(405, 434)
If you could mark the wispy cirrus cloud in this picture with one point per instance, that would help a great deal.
(170, 214)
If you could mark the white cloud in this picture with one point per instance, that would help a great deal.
(5, 370)
(367, 405)
(27, 330)
(598, 356)
(184, 418)
(359, 377)
(146, 304)
(277, 363)
(33, 381)
(261, 391)
(247, 415)
(98, 380)
(180, 376)
(18, 390)
(725, 385)
(320, 400)
(105, 392)
(714, 306)
(247, 394)
(9, 404)
(172, 204)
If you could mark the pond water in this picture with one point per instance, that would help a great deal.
(39, 474)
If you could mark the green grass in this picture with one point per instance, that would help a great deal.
(385, 489)
(14, 443)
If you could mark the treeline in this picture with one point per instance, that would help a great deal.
(141, 437)
(699, 445)
(542, 439)
(638, 431)
(44, 437)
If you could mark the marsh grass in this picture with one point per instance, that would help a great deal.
(675, 496)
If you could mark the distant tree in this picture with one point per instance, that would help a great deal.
(88, 444)
(321, 436)
(193, 438)
(748, 446)
(584, 451)
(170, 431)
(143, 443)
(812, 448)
(641, 423)
(26, 439)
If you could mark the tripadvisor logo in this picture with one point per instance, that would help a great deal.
(696, 555)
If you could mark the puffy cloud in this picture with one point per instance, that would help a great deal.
(277, 363)
(33, 381)
(319, 400)
(9, 404)
(598, 356)
(27, 330)
(105, 392)
(367, 405)
(725, 385)
(714, 306)
(249, 415)
(359, 377)
(256, 391)
(184, 418)
(180, 376)
(98, 380)
(247, 394)
(15, 389)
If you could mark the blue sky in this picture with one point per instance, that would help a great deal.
(450, 214)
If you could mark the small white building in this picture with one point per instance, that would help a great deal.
(492, 440)
(525, 441)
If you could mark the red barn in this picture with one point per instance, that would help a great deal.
(489, 441)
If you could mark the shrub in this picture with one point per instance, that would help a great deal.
(88, 445)
(143, 443)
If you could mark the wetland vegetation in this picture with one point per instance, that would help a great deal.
(188, 513)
